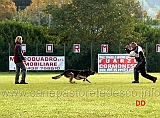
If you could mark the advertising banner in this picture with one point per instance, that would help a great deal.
(40, 63)
(115, 63)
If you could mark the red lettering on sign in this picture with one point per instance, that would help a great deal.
(118, 61)
(76, 48)
(11, 58)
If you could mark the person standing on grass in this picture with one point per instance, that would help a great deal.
(19, 60)
(137, 52)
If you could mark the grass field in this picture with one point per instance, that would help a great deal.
(109, 96)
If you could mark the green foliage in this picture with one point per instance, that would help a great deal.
(151, 37)
(31, 34)
(99, 24)
(7, 9)
(95, 22)
(85, 22)
(150, 21)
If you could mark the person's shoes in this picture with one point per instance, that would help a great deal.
(16, 82)
(154, 80)
(23, 82)
(135, 81)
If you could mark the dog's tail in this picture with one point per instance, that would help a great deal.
(58, 76)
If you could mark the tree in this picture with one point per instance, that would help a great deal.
(34, 34)
(158, 15)
(34, 13)
(98, 21)
(7, 9)
(134, 8)
(151, 37)
(145, 14)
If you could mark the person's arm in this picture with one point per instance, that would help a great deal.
(20, 53)
(126, 49)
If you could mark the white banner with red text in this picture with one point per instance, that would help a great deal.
(113, 63)
(40, 63)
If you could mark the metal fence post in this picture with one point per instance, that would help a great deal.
(9, 47)
(91, 57)
(37, 50)
(18, 13)
(49, 18)
(64, 56)
(119, 48)
(38, 14)
(146, 54)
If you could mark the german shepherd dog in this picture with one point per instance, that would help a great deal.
(77, 74)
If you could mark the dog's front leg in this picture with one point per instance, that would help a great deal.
(85, 79)
(88, 80)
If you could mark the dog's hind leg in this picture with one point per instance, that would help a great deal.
(71, 79)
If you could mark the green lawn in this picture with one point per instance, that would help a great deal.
(109, 96)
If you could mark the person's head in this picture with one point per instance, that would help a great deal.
(18, 39)
(133, 45)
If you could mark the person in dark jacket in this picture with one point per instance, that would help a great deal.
(137, 52)
(19, 60)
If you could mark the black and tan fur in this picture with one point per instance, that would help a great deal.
(77, 74)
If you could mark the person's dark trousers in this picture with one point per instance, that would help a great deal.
(141, 66)
(23, 68)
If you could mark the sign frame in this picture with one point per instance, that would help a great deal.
(157, 47)
(75, 49)
(102, 48)
(23, 47)
(49, 48)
